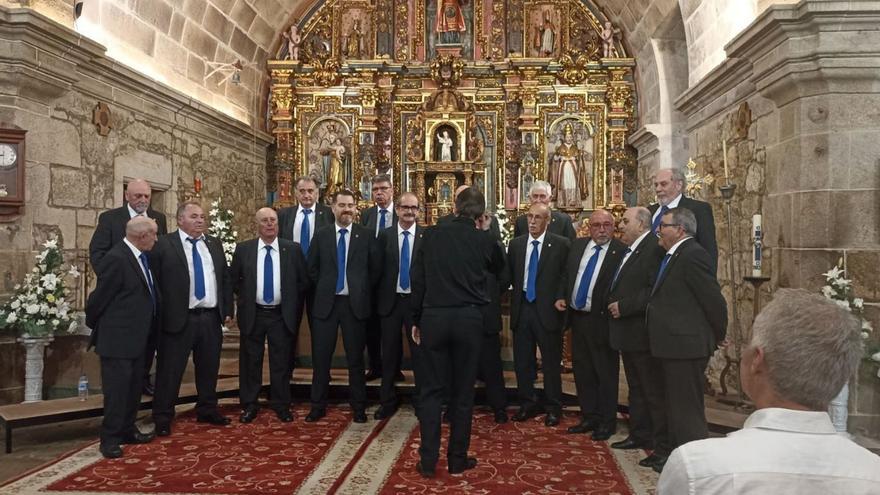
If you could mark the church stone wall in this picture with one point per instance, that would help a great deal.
(51, 80)
(805, 155)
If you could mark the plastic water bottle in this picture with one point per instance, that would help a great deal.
(83, 387)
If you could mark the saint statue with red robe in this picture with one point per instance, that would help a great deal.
(449, 21)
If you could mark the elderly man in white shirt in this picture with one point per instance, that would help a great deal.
(804, 348)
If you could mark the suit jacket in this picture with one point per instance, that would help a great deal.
(549, 285)
(370, 217)
(120, 311)
(172, 272)
(287, 218)
(686, 314)
(631, 292)
(389, 244)
(294, 282)
(560, 224)
(705, 225)
(363, 269)
(111, 230)
(599, 301)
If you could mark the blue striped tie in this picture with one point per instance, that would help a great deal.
(268, 277)
(662, 269)
(657, 220)
(404, 262)
(580, 300)
(198, 270)
(340, 261)
(531, 292)
(305, 232)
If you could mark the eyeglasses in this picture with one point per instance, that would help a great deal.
(669, 225)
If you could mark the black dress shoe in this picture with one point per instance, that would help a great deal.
(552, 419)
(359, 417)
(601, 434)
(469, 463)
(426, 472)
(163, 430)
(138, 437)
(372, 375)
(582, 427)
(384, 412)
(628, 443)
(249, 414)
(650, 460)
(315, 415)
(501, 417)
(399, 377)
(110, 451)
(526, 413)
(214, 419)
(284, 415)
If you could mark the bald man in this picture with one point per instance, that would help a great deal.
(110, 232)
(269, 279)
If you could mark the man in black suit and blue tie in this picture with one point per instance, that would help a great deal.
(196, 300)
(269, 276)
(394, 299)
(121, 312)
(591, 265)
(343, 265)
(537, 302)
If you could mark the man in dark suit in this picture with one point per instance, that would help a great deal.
(110, 232)
(394, 297)
(377, 218)
(591, 265)
(537, 310)
(121, 312)
(196, 300)
(343, 265)
(449, 287)
(628, 298)
(669, 186)
(560, 223)
(269, 277)
(687, 322)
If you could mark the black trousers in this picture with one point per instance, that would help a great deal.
(647, 416)
(685, 410)
(492, 372)
(150, 354)
(596, 370)
(450, 343)
(202, 337)
(122, 381)
(529, 333)
(268, 325)
(305, 307)
(398, 322)
(375, 359)
(324, 343)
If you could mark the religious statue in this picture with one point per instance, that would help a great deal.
(567, 172)
(545, 37)
(293, 41)
(445, 146)
(354, 41)
(511, 199)
(607, 35)
(449, 22)
(336, 174)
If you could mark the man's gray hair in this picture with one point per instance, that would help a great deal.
(541, 185)
(685, 218)
(139, 225)
(643, 216)
(679, 176)
(811, 346)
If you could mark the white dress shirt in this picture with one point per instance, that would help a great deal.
(633, 247)
(675, 246)
(412, 241)
(344, 291)
(588, 253)
(529, 248)
(210, 299)
(298, 221)
(778, 451)
(276, 272)
(672, 204)
(389, 216)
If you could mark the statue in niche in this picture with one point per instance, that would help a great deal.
(354, 41)
(568, 171)
(607, 35)
(545, 36)
(336, 176)
(511, 198)
(445, 146)
(449, 24)
(528, 178)
(293, 40)
(447, 139)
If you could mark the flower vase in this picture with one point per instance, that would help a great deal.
(35, 350)
(839, 410)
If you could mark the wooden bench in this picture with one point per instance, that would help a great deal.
(52, 411)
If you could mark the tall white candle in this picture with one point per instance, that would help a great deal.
(724, 154)
(757, 245)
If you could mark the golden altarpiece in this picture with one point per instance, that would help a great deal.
(439, 93)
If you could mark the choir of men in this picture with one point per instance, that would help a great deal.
(651, 300)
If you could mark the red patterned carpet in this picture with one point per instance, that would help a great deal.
(516, 458)
(336, 456)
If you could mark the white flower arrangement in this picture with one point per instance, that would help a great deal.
(839, 289)
(221, 228)
(504, 224)
(41, 304)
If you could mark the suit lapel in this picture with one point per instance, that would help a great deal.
(669, 265)
(177, 244)
(137, 268)
(547, 250)
(286, 267)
